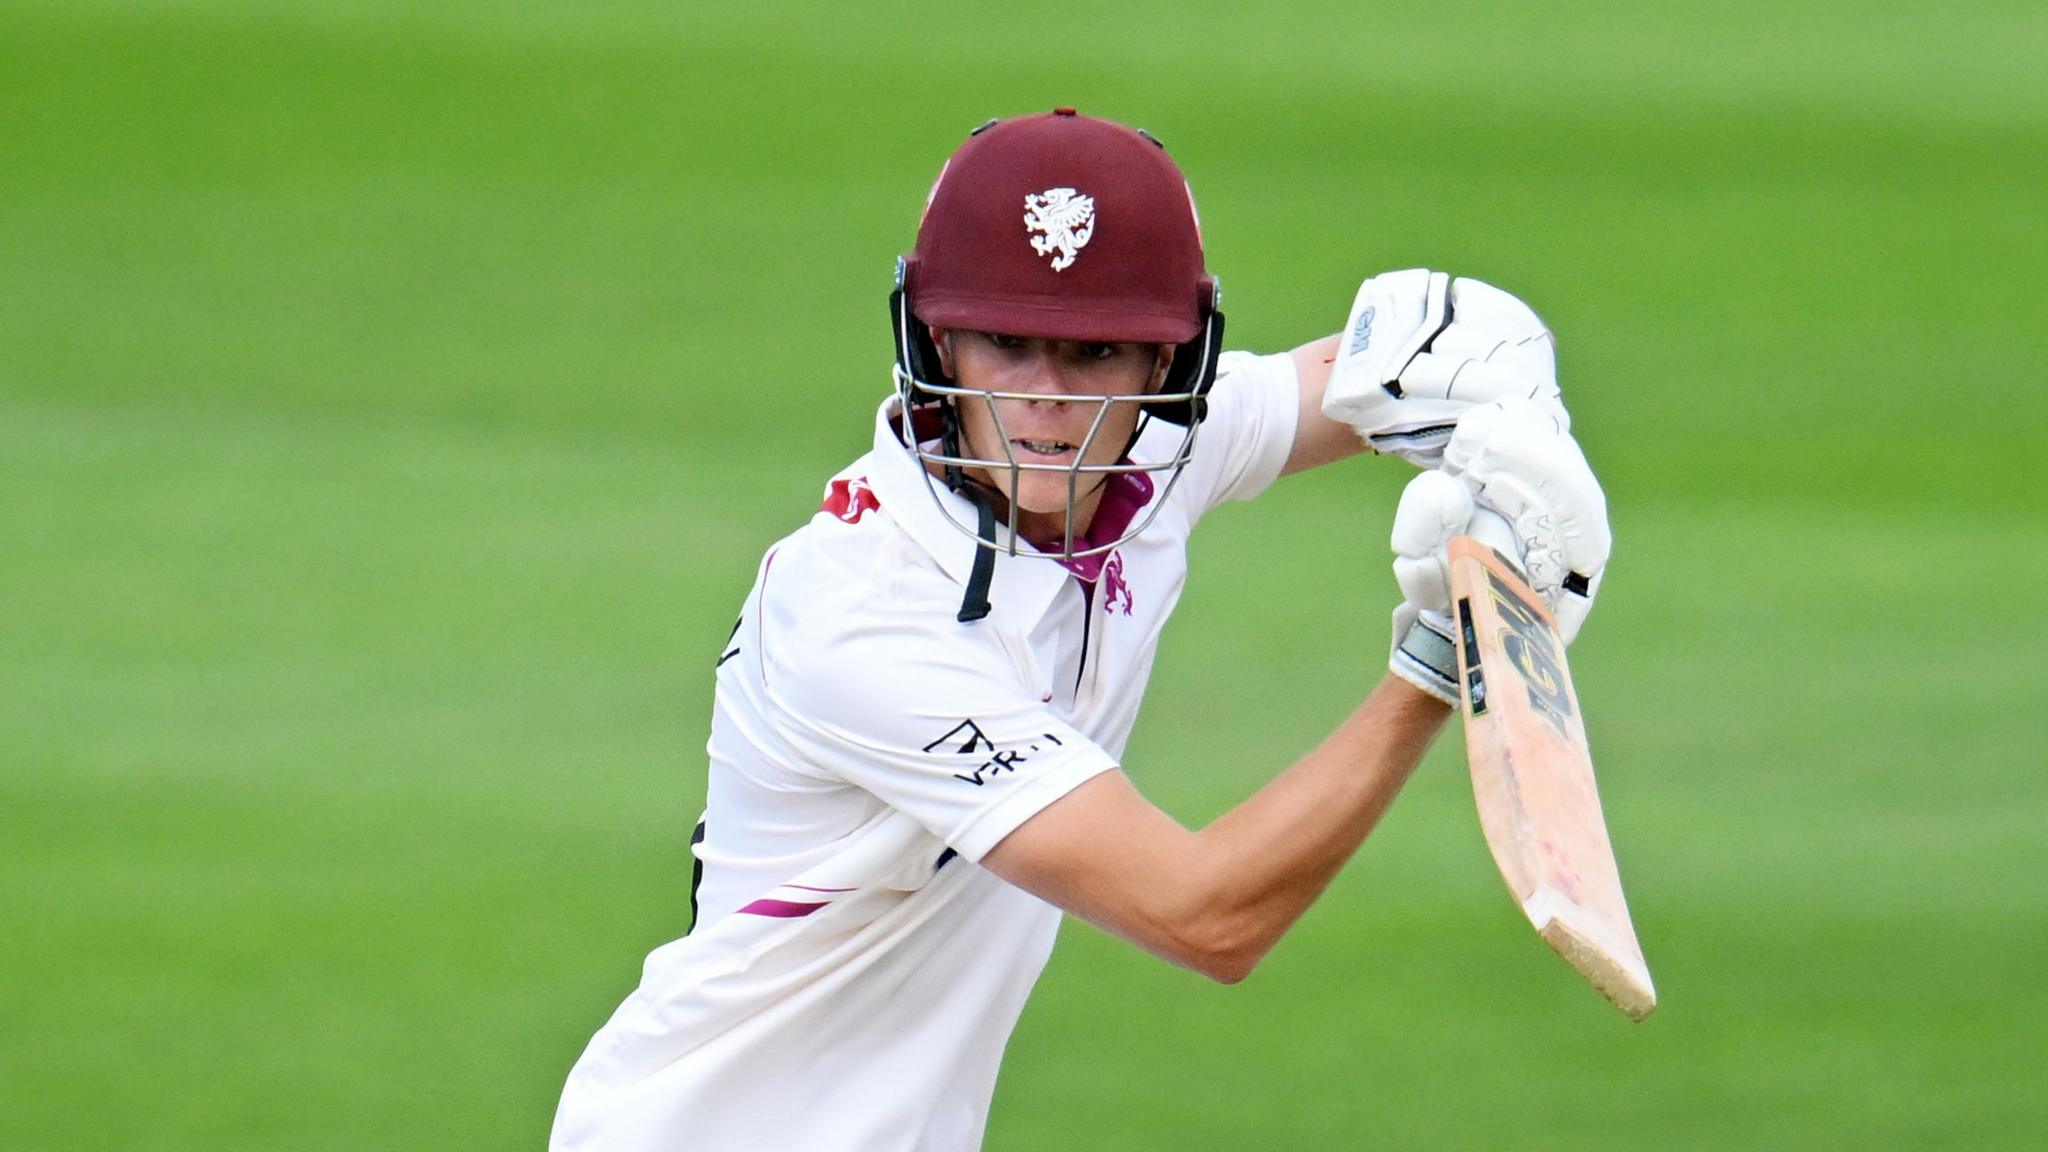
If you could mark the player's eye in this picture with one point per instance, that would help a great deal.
(1006, 342)
(1098, 351)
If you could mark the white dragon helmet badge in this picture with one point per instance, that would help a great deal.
(1066, 220)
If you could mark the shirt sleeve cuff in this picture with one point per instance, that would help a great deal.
(1279, 392)
(986, 828)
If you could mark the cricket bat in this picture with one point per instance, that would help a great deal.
(1533, 776)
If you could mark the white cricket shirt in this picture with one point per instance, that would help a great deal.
(854, 973)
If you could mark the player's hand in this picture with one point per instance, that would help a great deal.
(1513, 479)
(1516, 459)
(1434, 507)
(1421, 348)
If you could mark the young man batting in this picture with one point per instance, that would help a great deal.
(921, 714)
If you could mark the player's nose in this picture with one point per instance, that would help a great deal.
(1047, 374)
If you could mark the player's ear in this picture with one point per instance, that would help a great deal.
(1160, 367)
(941, 341)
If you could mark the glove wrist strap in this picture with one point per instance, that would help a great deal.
(1427, 658)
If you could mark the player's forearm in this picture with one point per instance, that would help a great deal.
(1266, 860)
(1318, 440)
(1217, 900)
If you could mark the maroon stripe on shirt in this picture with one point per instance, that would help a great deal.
(786, 909)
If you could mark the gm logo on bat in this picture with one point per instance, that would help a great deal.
(1533, 647)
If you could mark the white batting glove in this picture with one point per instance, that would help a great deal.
(1434, 507)
(1513, 479)
(1517, 459)
(1421, 348)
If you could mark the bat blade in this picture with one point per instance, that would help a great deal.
(1532, 775)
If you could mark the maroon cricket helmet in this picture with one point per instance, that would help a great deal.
(1061, 226)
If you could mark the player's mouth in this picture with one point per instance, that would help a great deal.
(1043, 451)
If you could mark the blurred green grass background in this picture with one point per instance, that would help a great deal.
(395, 399)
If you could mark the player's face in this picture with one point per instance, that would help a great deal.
(1068, 379)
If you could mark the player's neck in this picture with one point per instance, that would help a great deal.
(1047, 531)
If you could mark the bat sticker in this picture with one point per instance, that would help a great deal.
(1475, 679)
(1533, 647)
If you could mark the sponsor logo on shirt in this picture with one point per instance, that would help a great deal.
(966, 739)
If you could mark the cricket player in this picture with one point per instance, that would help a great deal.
(917, 742)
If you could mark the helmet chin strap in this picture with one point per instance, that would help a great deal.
(974, 605)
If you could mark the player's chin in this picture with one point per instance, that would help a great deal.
(1047, 492)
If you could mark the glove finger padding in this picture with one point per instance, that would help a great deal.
(1439, 375)
(1434, 507)
(1495, 346)
(1484, 318)
(1518, 461)
(1420, 348)
(1501, 417)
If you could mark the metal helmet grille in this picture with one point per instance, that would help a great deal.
(916, 393)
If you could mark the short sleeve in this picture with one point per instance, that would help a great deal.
(936, 727)
(1244, 440)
